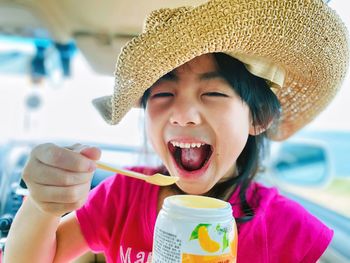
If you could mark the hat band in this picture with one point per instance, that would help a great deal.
(262, 68)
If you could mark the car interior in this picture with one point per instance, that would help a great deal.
(98, 30)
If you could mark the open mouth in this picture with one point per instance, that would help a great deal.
(190, 156)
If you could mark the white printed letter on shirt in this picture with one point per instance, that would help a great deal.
(125, 258)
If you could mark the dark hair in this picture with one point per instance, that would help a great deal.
(264, 108)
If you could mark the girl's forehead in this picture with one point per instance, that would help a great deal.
(201, 64)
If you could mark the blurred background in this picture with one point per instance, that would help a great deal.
(56, 56)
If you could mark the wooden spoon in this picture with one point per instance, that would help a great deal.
(157, 179)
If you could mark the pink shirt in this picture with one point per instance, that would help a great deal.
(119, 217)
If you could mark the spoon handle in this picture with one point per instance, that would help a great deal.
(107, 167)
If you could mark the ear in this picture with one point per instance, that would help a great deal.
(255, 130)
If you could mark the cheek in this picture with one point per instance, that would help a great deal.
(232, 141)
(153, 114)
(232, 133)
(234, 119)
(154, 129)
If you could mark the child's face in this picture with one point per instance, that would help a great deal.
(197, 124)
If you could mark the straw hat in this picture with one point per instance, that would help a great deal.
(300, 47)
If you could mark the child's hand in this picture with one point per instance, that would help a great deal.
(58, 179)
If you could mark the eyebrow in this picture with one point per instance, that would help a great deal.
(210, 75)
(171, 76)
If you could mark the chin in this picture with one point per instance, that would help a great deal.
(189, 189)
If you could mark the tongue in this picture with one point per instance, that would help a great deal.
(193, 158)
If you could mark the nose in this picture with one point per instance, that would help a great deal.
(185, 112)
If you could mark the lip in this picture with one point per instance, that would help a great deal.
(190, 174)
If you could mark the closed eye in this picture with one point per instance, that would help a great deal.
(215, 94)
(161, 95)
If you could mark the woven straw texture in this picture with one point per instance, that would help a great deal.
(304, 38)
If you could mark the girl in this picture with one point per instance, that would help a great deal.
(214, 81)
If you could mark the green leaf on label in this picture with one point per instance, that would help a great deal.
(220, 230)
(225, 241)
(194, 234)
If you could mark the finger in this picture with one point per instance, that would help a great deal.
(62, 158)
(40, 173)
(59, 194)
(77, 147)
(92, 153)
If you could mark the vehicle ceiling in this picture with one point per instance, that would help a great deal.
(99, 28)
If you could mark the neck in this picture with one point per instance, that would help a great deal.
(223, 190)
(219, 191)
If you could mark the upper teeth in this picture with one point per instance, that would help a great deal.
(186, 145)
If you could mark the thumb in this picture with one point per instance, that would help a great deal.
(93, 153)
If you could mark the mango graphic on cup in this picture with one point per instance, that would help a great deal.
(205, 241)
